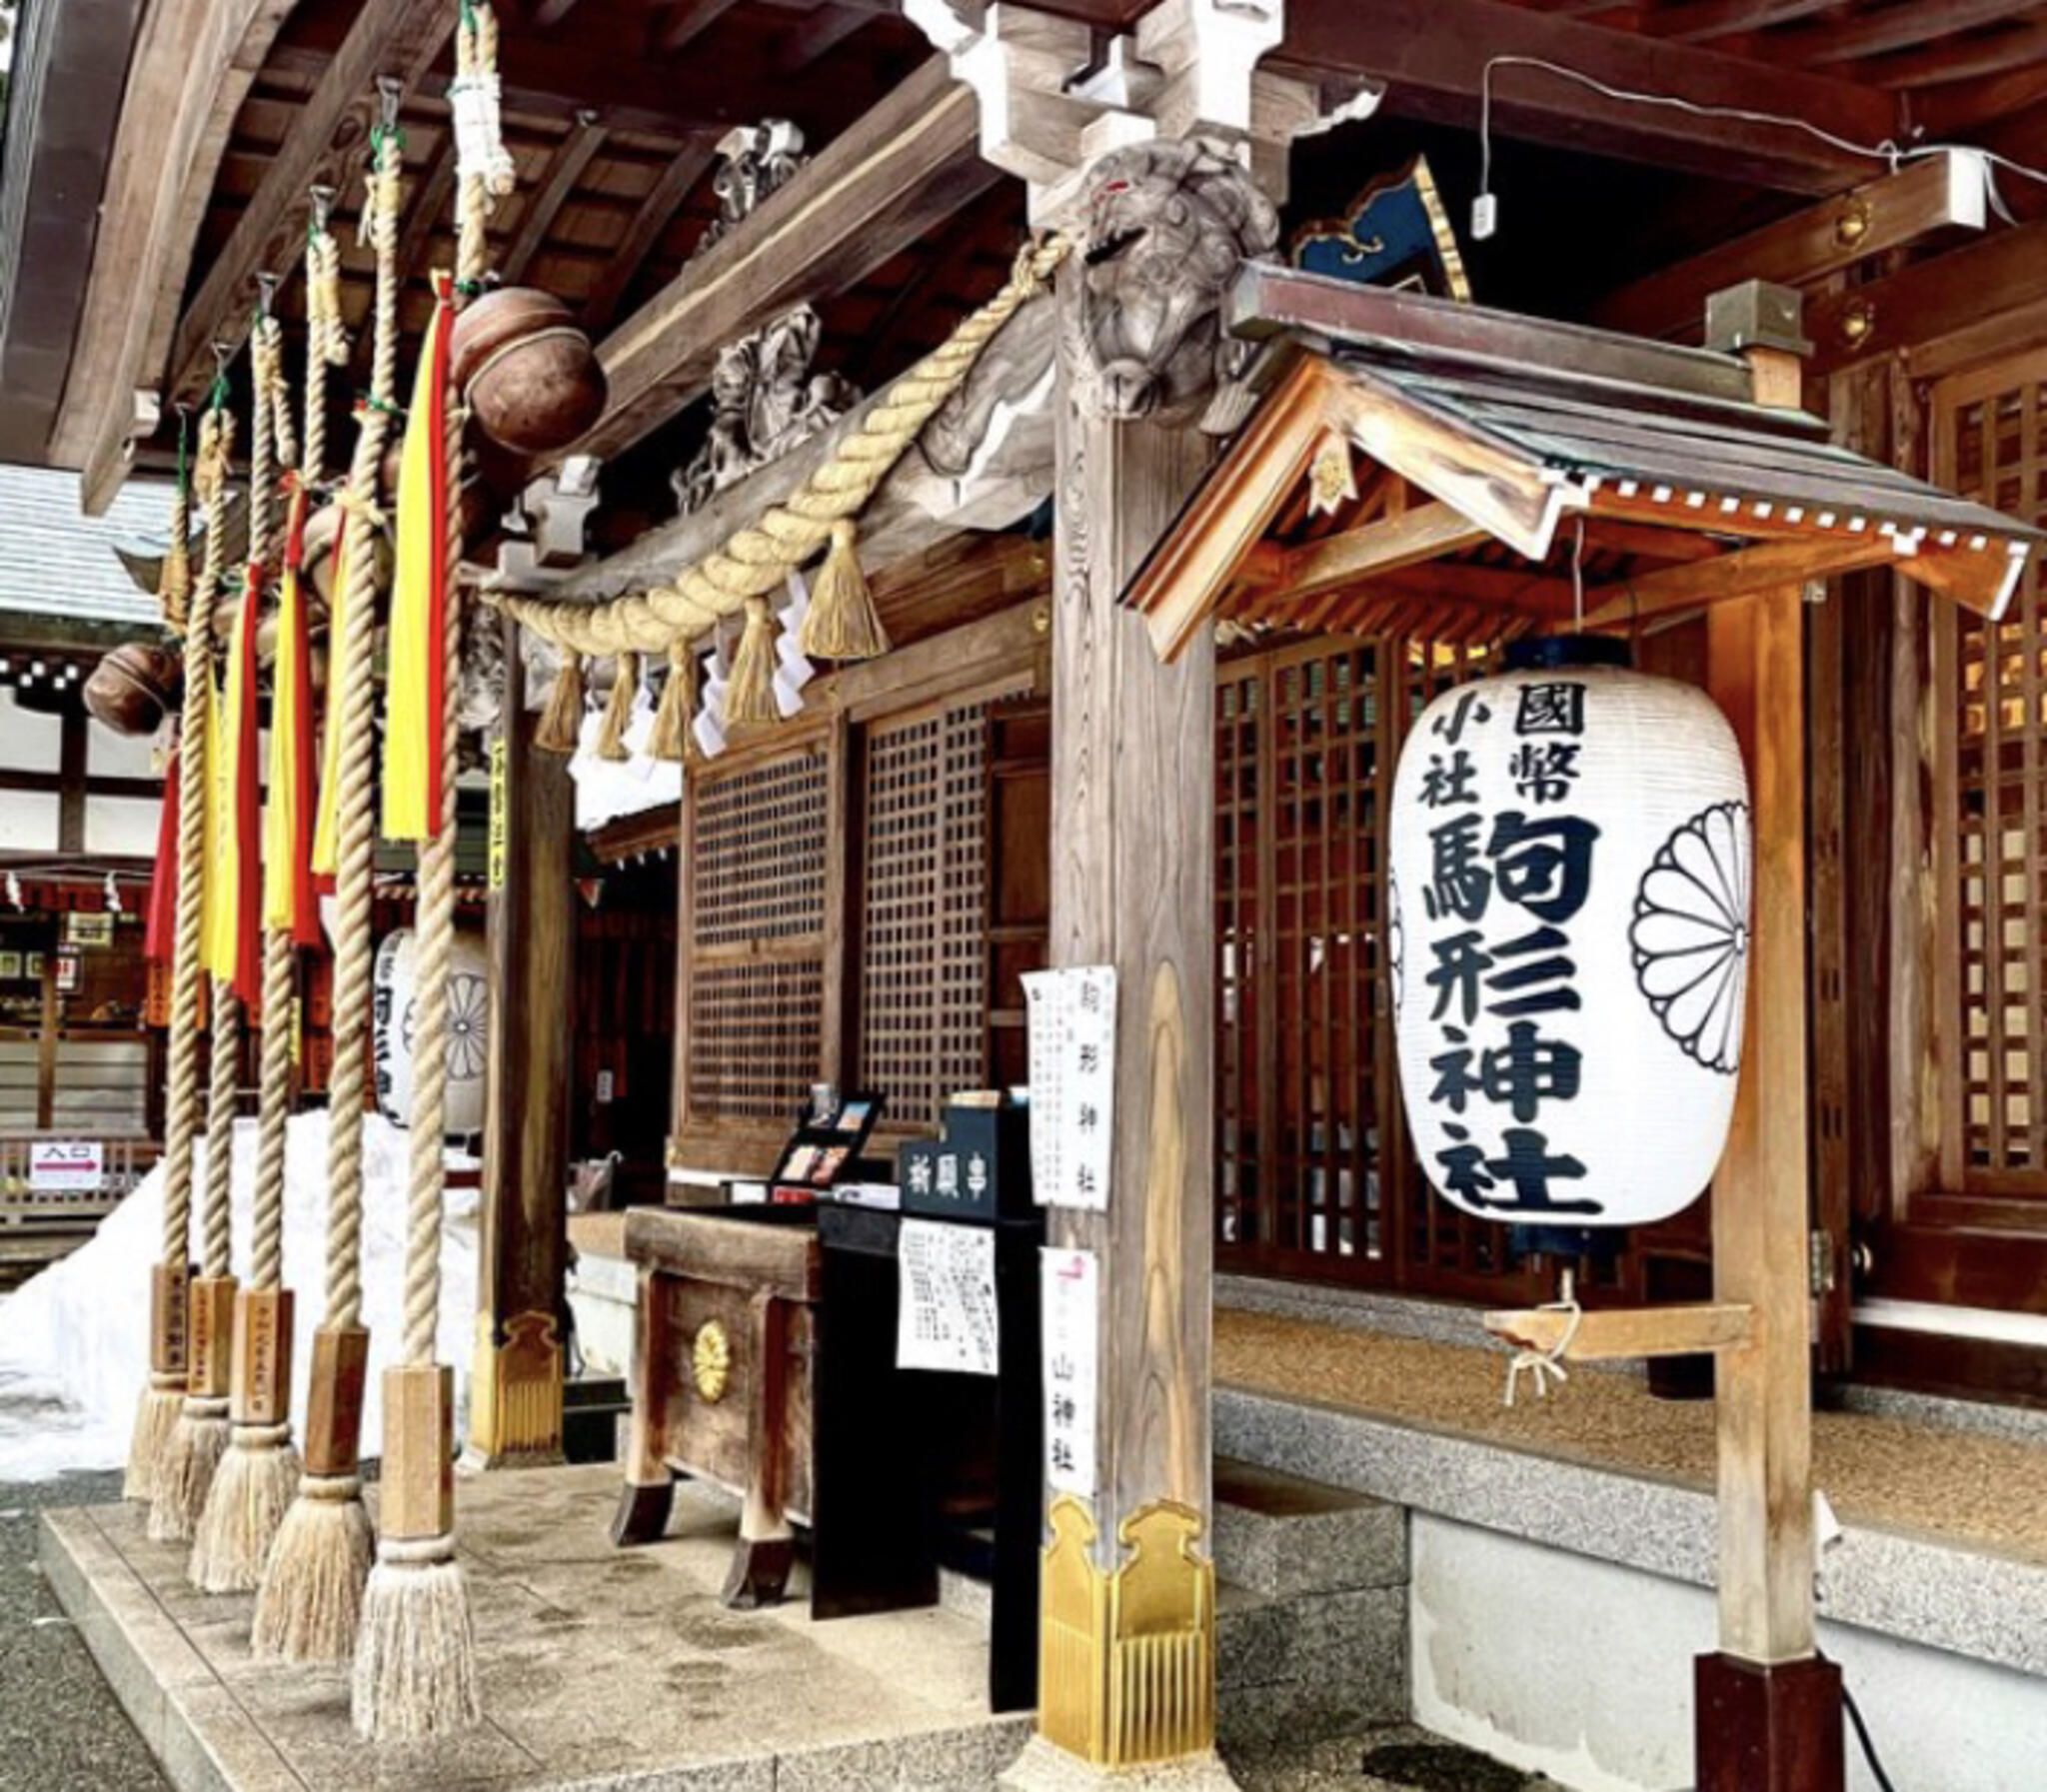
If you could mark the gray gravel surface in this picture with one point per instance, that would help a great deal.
(59, 1729)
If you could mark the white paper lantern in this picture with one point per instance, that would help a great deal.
(395, 997)
(1568, 938)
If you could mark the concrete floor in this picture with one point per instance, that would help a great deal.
(599, 1669)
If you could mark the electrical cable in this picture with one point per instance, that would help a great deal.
(1863, 1735)
(1889, 152)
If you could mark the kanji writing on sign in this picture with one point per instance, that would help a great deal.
(1069, 1284)
(1503, 884)
(1543, 771)
(1551, 708)
(1072, 1083)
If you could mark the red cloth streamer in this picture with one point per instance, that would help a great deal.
(159, 933)
(305, 902)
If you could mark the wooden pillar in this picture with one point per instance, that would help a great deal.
(1129, 1659)
(1769, 1711)
(515, 1403)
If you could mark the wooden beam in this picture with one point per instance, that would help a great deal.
(914, 508)
(1433, 55)
(817, 35)
(522, 1235)
(1268, 299)
(1893, 28)
(586, 137)
(64, 102)
(1886, 213)
(1428, 532)
(2006, 271)
(395, 38)
(657, 210)
(1180, 584)
(1701, 21)
(688, 19)
(1622, 1333)
(1949, 65)
(1133, 888)
(1738, 575)
(191, 69)
(909, 161)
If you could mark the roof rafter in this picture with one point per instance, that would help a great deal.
(396, 38)
(565, 168)
(909, 161)
(663, 199)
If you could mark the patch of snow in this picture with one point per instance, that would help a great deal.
(74, 1340)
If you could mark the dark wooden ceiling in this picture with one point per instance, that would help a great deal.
(613, 109)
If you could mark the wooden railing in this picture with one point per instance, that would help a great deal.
(38, 1226)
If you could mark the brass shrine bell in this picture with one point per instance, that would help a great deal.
(528, 373)
(135, 687)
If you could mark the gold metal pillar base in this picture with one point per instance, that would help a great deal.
(514, 1414)
(1127, 1655)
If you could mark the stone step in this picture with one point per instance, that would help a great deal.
(1281, 1536)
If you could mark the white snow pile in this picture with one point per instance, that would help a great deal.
(74, 1340)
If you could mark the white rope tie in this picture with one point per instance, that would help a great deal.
(1543, 1364)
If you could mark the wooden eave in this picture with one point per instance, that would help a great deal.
(1490, 493)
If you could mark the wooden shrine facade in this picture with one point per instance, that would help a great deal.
(865, 884)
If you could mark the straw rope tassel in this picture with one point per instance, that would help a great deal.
(671, 737)
(756, 560)
(164, 1396)
(310, 1603)
(415, 1671)
(253, 1489)
(199, 1439)
(618, 712)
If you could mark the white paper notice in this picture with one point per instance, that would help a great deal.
(946, 1313)
(1073, 1085)
(1072, 1349)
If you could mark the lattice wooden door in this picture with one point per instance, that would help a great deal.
(1314, 1176)
(924, 961)
(752, 958)
(1990, 442)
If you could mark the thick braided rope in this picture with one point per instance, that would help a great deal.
(266, 355)
(216, 1221)
(313, 449)
(756, 560)
(272, 415)
(215, 1217)
(434, 940)
(181, 1115)
(354, 711)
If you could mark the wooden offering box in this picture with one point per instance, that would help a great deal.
(721, 1377)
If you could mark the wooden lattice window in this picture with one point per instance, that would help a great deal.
(1313, 1173)
(1990, 435)
(754, 953)
(924, 961)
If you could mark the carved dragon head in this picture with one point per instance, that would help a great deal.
(1167, 224)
